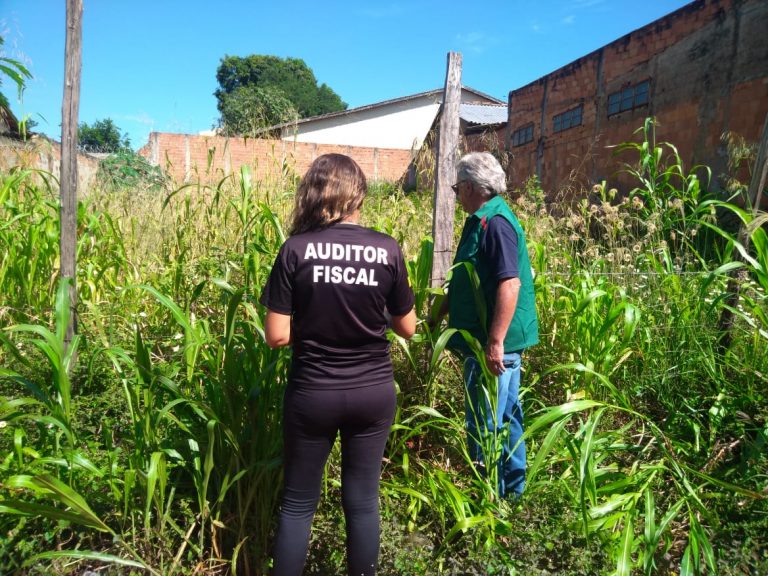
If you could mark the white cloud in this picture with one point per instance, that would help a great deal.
(568, 20)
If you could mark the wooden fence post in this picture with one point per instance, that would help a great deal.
(445, 175)
(737, 276)
(68, 185)
(757, 185)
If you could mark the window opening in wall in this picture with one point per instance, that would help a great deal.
(522, 135)
(629, 98)
(641, 93)
(568, 119)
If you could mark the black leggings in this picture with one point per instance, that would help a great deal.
(312, 419)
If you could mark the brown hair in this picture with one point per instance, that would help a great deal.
(332, 189)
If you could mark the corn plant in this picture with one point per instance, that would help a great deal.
(55, 393)
(50, 409)
(664, 186)
(602, 324)
(28, 244)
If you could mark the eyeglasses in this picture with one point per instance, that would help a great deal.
(455, 187)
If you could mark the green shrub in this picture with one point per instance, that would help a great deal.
(127, 169)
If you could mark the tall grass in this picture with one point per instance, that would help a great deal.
(160, 448)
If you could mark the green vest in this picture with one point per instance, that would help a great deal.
(471, 308)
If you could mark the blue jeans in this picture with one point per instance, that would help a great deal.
(495, 424)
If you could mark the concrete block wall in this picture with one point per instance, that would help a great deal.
(188, 157)
(707, 64)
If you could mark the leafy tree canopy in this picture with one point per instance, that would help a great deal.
(261, 84)
(102, 136)
(248, 109)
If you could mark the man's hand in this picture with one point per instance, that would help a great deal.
(506, 302)
(494, 357)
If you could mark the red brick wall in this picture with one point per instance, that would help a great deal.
(708, 69)
(186, 157)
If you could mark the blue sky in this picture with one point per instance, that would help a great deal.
(151, 64)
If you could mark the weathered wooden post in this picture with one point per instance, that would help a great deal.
(736, 276)
(445, 175)
(757, 185)
(68, 191)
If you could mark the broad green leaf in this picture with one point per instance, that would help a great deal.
(550, 415)
(11, 506)
(85, 555)
(72, 499)
(624, 561)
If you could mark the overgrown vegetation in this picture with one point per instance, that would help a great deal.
(158, 448)
(128, 170)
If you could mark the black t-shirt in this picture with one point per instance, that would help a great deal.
(338, 284)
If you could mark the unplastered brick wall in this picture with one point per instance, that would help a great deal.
(707, 68)
(187, 157)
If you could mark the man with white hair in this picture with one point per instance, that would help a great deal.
(497, 307)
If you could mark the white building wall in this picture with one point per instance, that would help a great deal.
(400, 125)
(403, 127)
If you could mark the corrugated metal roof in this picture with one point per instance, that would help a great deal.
(483, 114)
(437, 92)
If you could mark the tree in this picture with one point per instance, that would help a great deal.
(102, 136)
(291, 78)
(249, 109)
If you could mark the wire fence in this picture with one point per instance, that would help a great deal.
(96, 150)
(644, 273)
